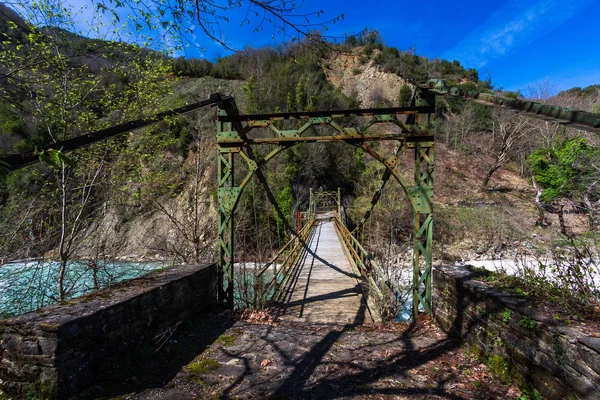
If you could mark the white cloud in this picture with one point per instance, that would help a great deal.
(513, 26)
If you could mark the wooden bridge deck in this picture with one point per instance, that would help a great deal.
(324, 288)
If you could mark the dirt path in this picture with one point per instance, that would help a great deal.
(308, 361)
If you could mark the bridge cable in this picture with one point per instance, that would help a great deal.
(387, 173)
(13, 162)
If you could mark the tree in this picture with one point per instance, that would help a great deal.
(404, 96)
(62, 85)
(568, 170)
(192, 225)
(509, 133)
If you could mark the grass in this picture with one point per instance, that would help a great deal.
(527, 322)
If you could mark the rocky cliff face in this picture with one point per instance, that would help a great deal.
(364, 81)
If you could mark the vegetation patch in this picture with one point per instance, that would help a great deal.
(39, 390)
(499, 367)
(203, 366)
(226, 340)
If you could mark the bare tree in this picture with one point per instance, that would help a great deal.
(510, 132)
(188, 216)
(181, 17)
(75, 206)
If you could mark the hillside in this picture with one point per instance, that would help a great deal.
(152, 193)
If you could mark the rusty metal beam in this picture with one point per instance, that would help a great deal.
(560, 115)
(225, 142)
(16, 161)
(334, 114)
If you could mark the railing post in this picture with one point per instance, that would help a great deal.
(339, 203)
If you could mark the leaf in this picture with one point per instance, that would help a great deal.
(265, 363)
(54, 158)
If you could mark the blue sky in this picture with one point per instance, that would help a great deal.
(518, 43)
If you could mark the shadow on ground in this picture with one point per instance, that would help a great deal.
(320, 361)
(157, 361)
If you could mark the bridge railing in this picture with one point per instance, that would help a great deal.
(268, 286)
(365, 264)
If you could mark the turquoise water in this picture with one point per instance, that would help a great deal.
(244, 287)
(27, 286)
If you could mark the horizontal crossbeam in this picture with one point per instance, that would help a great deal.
(324, 139)
(334, 114)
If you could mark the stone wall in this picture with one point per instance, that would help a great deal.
(559, 362)
(58, 349)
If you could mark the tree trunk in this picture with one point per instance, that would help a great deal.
(94, 267)
(561, 219)
(62, 247)
(489, 174)
(61, 279)
(542, 220)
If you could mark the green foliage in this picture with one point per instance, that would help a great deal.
(4, 169)
(251, 95)
(10, 122)
(527, 322)
(499, 367)
(192, 67)
(592, 90)
(404, 96)
(565, 170)
(528, 393)
(455, 72)
(284, 200)
(55, 158)
(512, 95)
(506, 315)
(40, 391)
(227, 68)
(80, 85)
(475, 352)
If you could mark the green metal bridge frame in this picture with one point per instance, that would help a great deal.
(317, 199)
(235, 142)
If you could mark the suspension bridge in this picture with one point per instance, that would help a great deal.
(323, 272)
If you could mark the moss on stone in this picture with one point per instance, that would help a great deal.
(40, 390)
(226, 340)
(203, 366)
(475, 352)
(499, 367)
